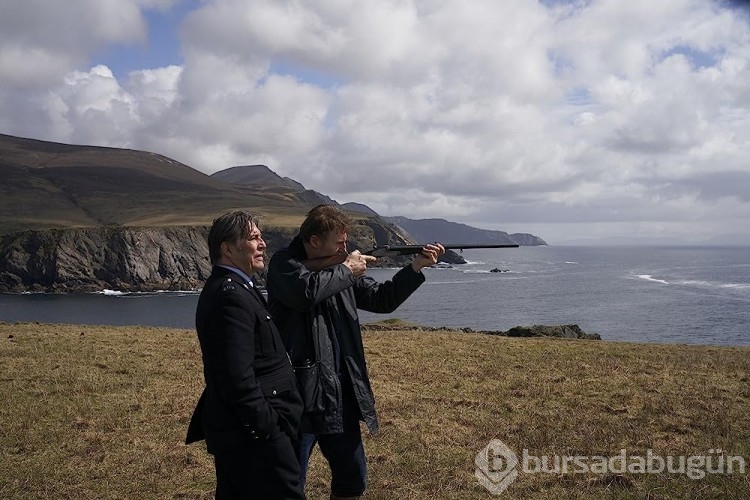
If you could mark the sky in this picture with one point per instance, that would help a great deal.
(584, 121)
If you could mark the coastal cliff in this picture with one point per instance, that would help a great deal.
(94, 259)
(133, 259)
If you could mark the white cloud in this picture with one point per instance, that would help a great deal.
(40, 41)
(627, 114)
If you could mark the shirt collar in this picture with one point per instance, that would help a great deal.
(238, 271)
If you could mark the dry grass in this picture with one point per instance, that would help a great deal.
(101, 412)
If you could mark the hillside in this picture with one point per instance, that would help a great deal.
(52, 185)
(47, 185)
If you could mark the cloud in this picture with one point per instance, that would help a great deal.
(41, 41)
(546, 113)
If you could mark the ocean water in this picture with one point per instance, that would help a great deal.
(640, 294)
(697, 295)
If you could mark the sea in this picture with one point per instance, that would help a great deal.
(680, 294)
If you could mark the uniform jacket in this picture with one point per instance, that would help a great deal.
(250, 386)
(304, 302)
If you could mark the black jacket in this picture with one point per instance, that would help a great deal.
(306, 304)
(250, 386)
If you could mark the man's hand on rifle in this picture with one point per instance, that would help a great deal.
(428, 257)
(357, 263)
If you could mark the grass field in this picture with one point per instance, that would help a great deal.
(101, 412)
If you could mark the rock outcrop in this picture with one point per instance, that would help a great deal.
(562, 331)
(558, 331)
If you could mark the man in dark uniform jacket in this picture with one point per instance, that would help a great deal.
(250, 410)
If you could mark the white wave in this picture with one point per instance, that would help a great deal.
(441, 265)
(570, 262)
(119, 293)
(712, 284)
(648, 277)
(694, 283)
(739, 286)
(697, 283)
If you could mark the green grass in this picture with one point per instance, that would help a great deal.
(101, 412)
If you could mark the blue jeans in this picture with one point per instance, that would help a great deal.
(343, 451)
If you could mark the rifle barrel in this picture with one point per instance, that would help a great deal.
(392, 250)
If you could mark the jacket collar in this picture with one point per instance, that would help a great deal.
(239, 272)
(221, 271)
(297, 248)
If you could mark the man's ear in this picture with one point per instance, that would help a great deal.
(315, 241)
(226, 249)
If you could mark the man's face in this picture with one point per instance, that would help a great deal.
(333, 243)
(247, 254)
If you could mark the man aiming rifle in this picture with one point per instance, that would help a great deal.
(315, 288)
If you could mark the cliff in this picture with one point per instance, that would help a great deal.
(94, 259)
(143, 259)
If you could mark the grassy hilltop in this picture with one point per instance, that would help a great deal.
(101, 412)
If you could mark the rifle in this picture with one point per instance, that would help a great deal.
(394, 250)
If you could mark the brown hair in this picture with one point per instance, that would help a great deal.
(323, 219)
(232, 227)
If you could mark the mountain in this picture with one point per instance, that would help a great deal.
(359, 207)
(52, 185)
(83, 218)
(262, 178)
(46, 184)
(256, 175)
(422, 230)
(427, 230)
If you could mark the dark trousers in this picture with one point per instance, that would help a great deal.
(262, 469)
(344, 451)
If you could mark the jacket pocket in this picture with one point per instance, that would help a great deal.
(308, 383)
(271, 387)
